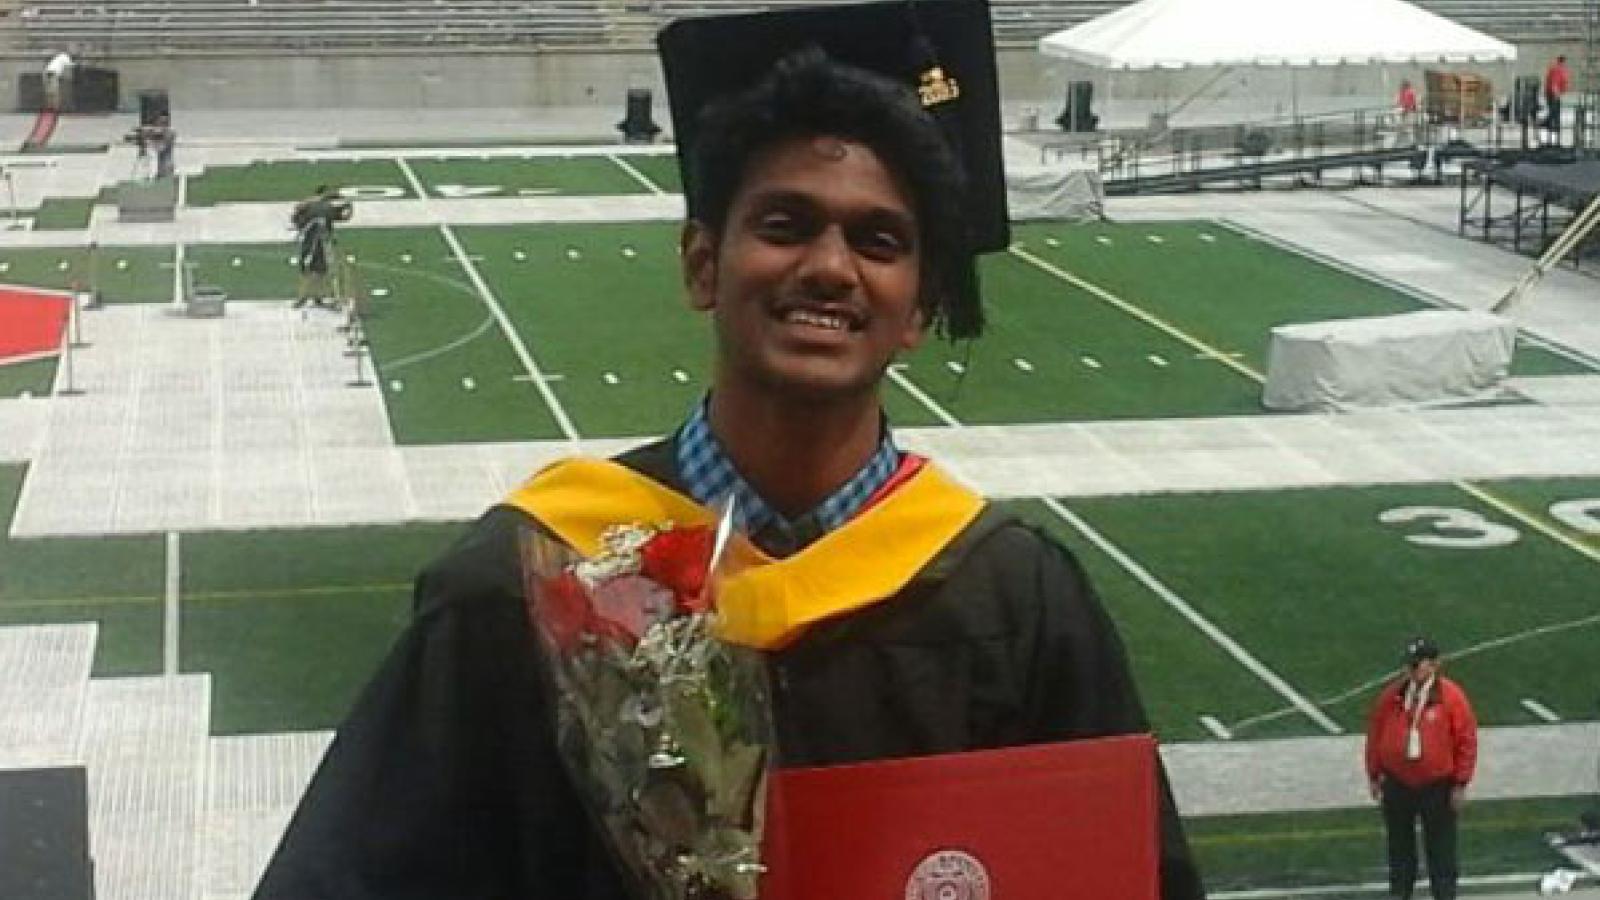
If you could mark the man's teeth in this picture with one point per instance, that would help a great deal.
(816, 319)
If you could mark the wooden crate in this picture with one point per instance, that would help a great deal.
(1457, 98)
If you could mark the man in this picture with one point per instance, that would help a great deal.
(313, 220)
(1557, 81)
(1406, 100)
(830, 229)
(164, 141)
(56, 73)
(1422, 749)
(1406, 105)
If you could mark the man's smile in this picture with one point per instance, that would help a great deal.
(825, 317)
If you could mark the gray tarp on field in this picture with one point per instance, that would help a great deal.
(1038, 192)
(1408, 359)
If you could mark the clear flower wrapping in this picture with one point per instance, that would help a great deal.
(665, 728)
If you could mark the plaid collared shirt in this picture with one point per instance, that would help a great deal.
(709, 475)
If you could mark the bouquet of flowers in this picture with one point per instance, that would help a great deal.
(665, 728)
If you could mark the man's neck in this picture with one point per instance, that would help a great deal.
(794, 453)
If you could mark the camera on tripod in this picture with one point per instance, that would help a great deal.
(142, 136)
(324, 209)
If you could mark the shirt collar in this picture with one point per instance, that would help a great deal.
(710, 476)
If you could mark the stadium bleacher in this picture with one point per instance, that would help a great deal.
(192, 26)
(110, 27)
(1516, 20)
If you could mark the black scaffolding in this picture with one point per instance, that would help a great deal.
(1526, 205)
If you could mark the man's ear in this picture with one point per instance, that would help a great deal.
(697, 251)
(916, 328)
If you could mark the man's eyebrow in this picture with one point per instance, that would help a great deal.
(781, 196)
(778, 196)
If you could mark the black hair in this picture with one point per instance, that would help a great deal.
(809, 94)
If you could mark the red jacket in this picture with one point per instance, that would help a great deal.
(1449, 736)
(1407, 101)
(1556, 79)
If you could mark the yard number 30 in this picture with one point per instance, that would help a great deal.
(1464, 529)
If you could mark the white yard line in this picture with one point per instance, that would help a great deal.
(442, 349)
(179, 253)
(909, 387)
(1217, 729)
(1533, 522)
(1148, 318)
(521, 349)
(1540, 710)
(32, 357)
(171, 612)
(1589, 621)
(638, 176)
(411, 176)
(1206, 627)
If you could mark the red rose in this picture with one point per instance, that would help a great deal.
(677, 559)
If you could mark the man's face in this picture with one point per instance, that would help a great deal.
(814, 281)
(1423, 669)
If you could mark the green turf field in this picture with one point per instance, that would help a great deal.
(459, 175)
(33, 378)
(1322, 585)
(533, 176)
(57, 214)
(290, 624)
(601, 313)
(660, 169)
(1319, 586)
(1345, 847)
(115, 581)
(1313, 583)
(1226, 289)
(1086, 323)
(124, 274)
(376, 179)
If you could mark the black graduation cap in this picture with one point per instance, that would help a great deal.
(1420, 648)
(941, 49)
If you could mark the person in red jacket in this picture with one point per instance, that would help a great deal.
(1557, 81)
(1422, 749)
(1406, 100)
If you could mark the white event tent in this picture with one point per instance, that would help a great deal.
(1179, 34)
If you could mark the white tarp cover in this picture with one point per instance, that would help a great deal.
(1173, 34)
(1051, 192)
(1408, 359)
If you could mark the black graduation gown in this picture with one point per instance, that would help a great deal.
(444, 782)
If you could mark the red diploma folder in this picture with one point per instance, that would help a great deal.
(1042, 822)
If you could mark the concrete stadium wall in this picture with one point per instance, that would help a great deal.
(382, 81)
(584, 78)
